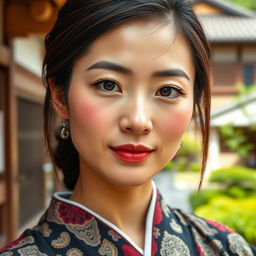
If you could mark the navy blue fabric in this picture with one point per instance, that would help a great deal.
(67, 229)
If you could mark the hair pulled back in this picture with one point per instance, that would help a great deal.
(79, 23)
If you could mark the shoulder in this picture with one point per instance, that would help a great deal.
(28, 243)
(211, 234)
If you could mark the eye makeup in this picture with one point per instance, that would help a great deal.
(107, 85)
(168, 91)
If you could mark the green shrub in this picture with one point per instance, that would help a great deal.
(197, 199)
(169, 166)
(188, 154)
(237, 192)
(202, 197)
(191, 146)
(235, 175)
(252, 193)
(194, 167)
(238, 214)
(181, 164)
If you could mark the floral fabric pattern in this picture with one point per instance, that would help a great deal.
(67, 229)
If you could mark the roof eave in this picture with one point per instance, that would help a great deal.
(230, 8)
(230, 41)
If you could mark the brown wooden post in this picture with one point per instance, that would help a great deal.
(11, 154)
(3, 213)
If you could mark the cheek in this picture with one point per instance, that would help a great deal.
(86, 114)
(176, 123)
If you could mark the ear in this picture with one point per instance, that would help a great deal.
(58, 100)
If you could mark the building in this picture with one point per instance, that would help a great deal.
(23, 160)
(232, 34)
(241, 115)
(231, 31)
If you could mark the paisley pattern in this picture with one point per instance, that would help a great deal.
(31, 251)
(52, 213)
(71, 214)
(66, 229)
(62, 241)
(21, 241)
(202, 225)
(156, 232)
(88, 232)
(209, 249)
(181, 218)
(114, 235)
(173, 245)
(166, 209)
(238, 245)
(44, 229)
(74, 252)
(176, 227)
(108, 249)
(6, 254)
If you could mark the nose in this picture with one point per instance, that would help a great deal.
(136, 118)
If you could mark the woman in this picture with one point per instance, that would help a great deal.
(126, 78)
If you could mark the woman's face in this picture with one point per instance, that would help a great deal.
(130, 101)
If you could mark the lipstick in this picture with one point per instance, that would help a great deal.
(132, 153)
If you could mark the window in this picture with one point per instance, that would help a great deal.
(248, 74)
(31, 151)
(224, 68)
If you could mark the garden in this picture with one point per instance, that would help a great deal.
(230, 196)
(231, 200)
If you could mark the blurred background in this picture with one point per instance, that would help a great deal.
(27, 180)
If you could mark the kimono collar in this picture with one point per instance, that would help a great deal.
(63, 197)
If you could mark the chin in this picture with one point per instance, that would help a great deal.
(132, 179)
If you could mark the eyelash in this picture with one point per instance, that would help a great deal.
(176, 89)
(98, 82)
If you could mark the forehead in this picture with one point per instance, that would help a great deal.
(143, 42)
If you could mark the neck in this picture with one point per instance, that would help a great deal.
(125, 207)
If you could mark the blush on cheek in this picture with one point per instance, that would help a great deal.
(87, 113)
(177, 123)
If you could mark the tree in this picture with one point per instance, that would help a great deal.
(249, 4)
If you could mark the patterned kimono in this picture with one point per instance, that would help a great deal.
(70, 229)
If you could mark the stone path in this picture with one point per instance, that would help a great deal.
(173, 195)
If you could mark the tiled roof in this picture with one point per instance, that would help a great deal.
(228, 7)
(222, 28)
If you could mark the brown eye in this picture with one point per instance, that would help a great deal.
(108, 86)
(168, 92)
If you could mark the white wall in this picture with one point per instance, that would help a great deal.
(214, 152)
(28, 52)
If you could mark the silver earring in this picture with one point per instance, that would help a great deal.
(64, 132)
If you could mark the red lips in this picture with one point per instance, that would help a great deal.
(132, 153)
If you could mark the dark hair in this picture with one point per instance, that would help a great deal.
(79, 23)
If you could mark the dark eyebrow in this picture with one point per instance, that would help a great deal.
(110, 66)
(171, 72)
(121, 69)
